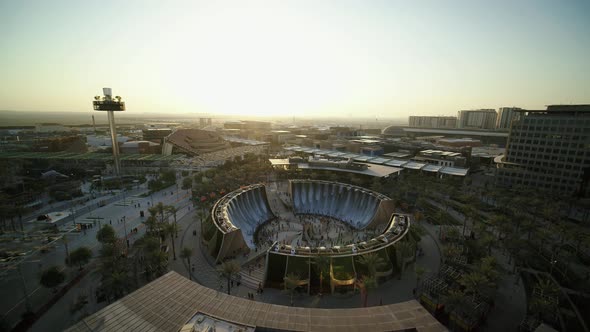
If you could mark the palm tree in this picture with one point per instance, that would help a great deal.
(419, 273)
(456, 302)
(403, 248)
(186, 253)
(453, 233)
(372, 261)
(475, 283)
(540, 306)
(499, 221)
(151, 223)
(365, 284)
(115, 284)
(548, 287)
(172, 229)
(487, 241)
(155, 259)
(528, 226)
(489, 268)
(513, 243)
(322, 263)
(292, 281)
(468, 214)
(450, 252)
(159, 208)
(228, 269)
(172, 209)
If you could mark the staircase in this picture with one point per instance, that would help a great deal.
(252, 275)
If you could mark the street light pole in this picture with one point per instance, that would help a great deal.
(125, 229)
(73, 215)
(65, 240)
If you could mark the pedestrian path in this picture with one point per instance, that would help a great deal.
(252, 275)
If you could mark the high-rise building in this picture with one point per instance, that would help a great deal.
(477, 119)
(549, 150)
(433, 121)
(506, 115)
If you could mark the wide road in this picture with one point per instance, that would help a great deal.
(123, 215)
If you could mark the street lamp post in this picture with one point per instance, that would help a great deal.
(65, 240)
(125, 229)
(73, 212)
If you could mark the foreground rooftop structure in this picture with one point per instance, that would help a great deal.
(171, 301)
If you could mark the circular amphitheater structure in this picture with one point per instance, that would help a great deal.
(309, 228)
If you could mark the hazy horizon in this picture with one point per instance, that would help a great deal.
(308, 59)
(31, 118)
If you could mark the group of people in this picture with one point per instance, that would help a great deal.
(270, 232)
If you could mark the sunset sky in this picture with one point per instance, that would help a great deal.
(304, 58)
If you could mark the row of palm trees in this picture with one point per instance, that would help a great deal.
(157, 224)
(119, 266)
(113, 266)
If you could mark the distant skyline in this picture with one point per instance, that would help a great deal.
(382, 59)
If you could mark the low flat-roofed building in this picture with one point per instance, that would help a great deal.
(442, 158)
(397, 155)
(141, 147)
(373, 150)
(459, 142)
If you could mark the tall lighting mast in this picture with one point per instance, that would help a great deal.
(111, 105)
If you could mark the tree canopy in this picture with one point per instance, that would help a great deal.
(80, 256)
(52, 277)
